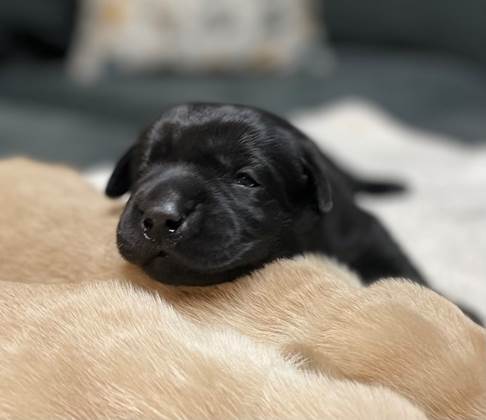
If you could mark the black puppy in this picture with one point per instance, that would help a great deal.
(220, 190)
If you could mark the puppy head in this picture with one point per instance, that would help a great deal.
(216, 191)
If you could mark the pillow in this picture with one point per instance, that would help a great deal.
(194, 35)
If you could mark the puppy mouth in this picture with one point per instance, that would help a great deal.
(171, 259)
(146, 254)
(174, 273)
(160, 255)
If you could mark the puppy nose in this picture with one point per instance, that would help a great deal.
(164, 219)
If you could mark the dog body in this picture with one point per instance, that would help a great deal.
(58, 230)
(219, 190)
(107, 350)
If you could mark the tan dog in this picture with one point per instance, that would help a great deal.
(393, 333)
(105, 350)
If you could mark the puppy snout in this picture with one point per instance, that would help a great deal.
(166, 218)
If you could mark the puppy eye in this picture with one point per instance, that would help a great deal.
(242, 178)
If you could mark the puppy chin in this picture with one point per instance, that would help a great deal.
(165, 269)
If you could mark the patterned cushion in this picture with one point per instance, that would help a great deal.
(207, 35)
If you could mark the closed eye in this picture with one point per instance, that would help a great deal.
(246, 180)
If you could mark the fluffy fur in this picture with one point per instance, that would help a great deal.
(393, 333)
(107, 350)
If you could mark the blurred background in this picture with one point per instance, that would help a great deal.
(78, 79)
(389, 87)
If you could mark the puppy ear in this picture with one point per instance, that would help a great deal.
(120, 179)
(317, 177)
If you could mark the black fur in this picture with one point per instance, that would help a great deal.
(219, 190)
(258, 189)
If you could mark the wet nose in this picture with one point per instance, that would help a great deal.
(165, 218)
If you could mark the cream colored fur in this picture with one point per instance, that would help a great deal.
(107, 350)
(396, 334)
